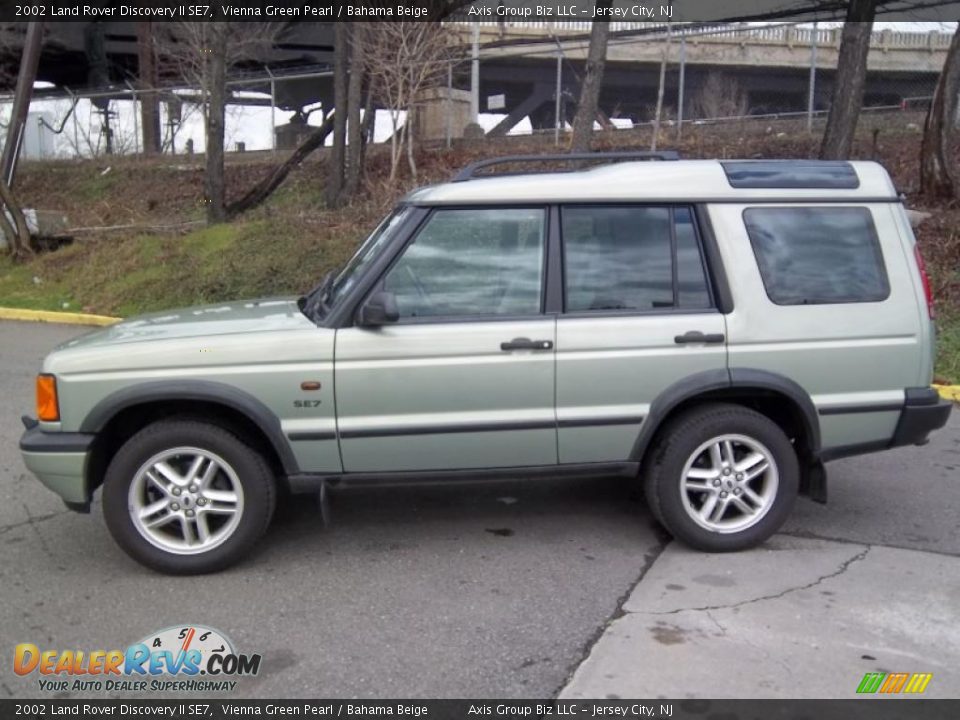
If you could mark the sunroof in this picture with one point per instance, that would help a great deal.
(823, 174)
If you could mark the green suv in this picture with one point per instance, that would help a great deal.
(716, 329)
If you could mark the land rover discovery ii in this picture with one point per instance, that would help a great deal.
(717, 330)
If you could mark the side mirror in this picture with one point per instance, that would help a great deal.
(379, 309)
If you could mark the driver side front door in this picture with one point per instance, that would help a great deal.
(465, 378)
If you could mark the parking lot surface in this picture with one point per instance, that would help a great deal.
(502, 590)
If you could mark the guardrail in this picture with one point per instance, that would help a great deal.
(781, 34)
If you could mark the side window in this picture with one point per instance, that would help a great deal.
(632, 258)
(483, 261)
(817, 255)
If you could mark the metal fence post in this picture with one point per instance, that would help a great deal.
(449, 103)
(813, 77)
(556, 109)
(136, 120)
(475, 75)
(680, 87)
(76, 131)
(273, 111)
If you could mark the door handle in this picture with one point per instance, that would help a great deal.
(695, 336)
(526, 344)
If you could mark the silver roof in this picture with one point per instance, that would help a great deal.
(645, 181)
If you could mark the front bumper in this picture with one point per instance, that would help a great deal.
(923, 412)
(59, 460)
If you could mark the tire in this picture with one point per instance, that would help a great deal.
(171, 524)
(692, 452)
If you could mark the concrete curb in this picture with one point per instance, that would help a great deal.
(56, 317)
(949, 392)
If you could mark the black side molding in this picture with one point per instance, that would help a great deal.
(866, 408)
(319, 435)
(311, 482)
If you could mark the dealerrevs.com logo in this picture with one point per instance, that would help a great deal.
(182, 658)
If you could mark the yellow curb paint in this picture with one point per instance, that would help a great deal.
(56, 317)
(949, 392)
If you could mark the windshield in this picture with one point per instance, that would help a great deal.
(365, 255)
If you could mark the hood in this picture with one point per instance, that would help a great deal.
(247, 316)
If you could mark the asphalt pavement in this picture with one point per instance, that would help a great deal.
(515, 589)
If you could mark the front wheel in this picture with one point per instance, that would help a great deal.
(722, 478)
(186, 497)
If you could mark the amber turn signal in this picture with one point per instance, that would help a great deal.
(48, 408)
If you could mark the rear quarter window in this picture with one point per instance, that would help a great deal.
(817, 255)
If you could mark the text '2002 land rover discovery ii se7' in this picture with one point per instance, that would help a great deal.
(717, 329)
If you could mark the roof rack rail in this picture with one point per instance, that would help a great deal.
(469, 172)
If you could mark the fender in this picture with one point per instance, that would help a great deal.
(716, 381)
(203, 390)
(666, 401)
(765, 380)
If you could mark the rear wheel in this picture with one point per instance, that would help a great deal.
(186, 497)
(722, 478)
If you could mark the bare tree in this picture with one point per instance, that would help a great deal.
(338, 152)
(147, 80)
(263, 189)
(201, 53)
(355, 135)
(402, 59)
(592, 82)
(850, 81)
(661, 87)
(939, 174)
(720, 96)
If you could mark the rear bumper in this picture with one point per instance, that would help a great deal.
(923, 412)
(59, 461)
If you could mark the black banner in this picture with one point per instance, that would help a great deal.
(877, 709)
(653, 11)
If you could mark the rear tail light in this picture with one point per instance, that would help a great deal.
(48, 407)
(925, 279)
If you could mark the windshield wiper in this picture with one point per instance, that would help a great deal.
(311, 302)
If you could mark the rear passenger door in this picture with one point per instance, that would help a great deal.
(638, 315)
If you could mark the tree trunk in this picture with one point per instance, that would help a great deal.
(369, 122)
(27, 74)
(19, 238)
(216, 82)
(262, 190)
(395, 137)
(592, 82)
(661, 87)
(409, 137)
(939, 176)
(335, 171)
(354, 101)
(851, 78)
(150, 100)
